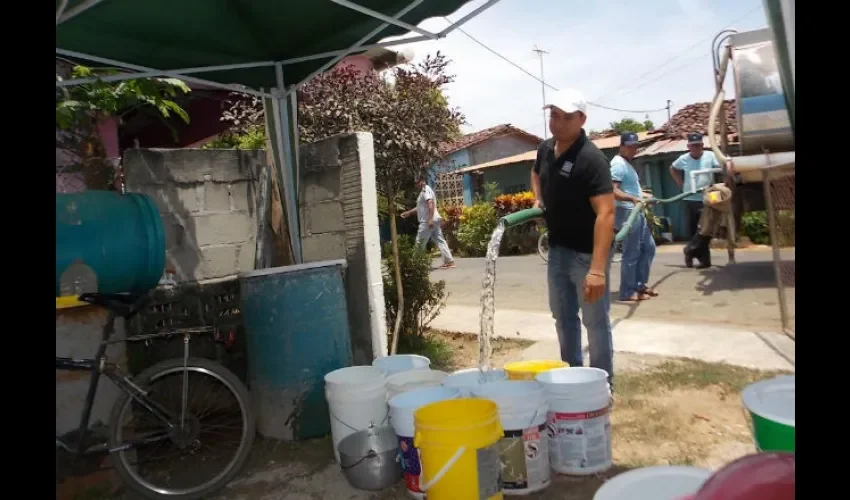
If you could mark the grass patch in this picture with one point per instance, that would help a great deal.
(689, 374)
(431, 346)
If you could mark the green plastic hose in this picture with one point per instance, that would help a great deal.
(533, 213)
(522, 216)
(639, 208)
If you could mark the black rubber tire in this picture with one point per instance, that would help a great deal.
(543, 255)
(142, 380)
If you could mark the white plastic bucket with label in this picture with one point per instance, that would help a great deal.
(357, 399)
(578, 419)
(470, 378)
(402, 408)
(524, 448)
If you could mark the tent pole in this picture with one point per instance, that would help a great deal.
(286, 159)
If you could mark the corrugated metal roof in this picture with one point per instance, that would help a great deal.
(614, 141)
(671, 146)
(527, 156)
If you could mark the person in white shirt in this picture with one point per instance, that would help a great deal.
(430, 226)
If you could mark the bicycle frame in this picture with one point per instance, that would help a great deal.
(97, 366)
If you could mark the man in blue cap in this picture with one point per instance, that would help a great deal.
(638, 246)
(695, 159)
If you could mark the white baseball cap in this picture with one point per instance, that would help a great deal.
(567, 100)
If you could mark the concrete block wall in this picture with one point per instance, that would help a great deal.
(209, 203)
(339, 220)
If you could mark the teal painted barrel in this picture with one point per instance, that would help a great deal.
(121, 237)
(296, 332)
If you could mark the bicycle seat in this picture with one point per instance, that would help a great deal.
(122, 304)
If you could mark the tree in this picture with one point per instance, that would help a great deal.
(631, 125)
(406, 112)
(80, 108)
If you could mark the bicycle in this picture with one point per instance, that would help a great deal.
(171, 422)
(543, 248)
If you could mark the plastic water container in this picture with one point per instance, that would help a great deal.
(398, 383)
(357, 399)
(579, 427)
(524, 447)
(663, 482)
(402, 408)
(470, 378)
(398, 363)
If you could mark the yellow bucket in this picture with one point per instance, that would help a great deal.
(528, 370)
(458, 446)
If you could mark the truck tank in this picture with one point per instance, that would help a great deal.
(763, 119)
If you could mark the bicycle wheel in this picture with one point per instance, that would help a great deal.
(217, 409)
(543, 246)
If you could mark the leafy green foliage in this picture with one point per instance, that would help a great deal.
(476, 225)
(631, 125)
(101, 99)
(755, 226)
(423, 299)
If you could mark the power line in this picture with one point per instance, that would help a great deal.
(683, 51)
(639, 111)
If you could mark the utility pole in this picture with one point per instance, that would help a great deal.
(540, 53)
(669, 105)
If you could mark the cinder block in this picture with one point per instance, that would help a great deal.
(220, 229)
(216, 196)
(219, 261)
(160, 166)
(320, 185)
(246, 257)
(323, 217)
(327, 246)
(242, 196)
(186, 262)
(324, 153)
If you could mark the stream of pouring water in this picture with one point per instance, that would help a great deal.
(488, 299)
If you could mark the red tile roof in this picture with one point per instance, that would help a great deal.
(488, 133)
(694, 118)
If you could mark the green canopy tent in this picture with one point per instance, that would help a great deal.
(261, 47)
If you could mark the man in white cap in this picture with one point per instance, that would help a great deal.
(571, 180)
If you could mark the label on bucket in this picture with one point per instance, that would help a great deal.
(579, 440)
(525, 458)
(489, 472)
(410, 465)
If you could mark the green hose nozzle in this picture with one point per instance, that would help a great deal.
(522, 216)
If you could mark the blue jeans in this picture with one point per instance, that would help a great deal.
(425, 234)
(638, 253)
(566, 272)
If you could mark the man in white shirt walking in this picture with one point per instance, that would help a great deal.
(430, 226)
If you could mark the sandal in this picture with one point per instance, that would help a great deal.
(649, 291)
(448, 265)
(638, 297)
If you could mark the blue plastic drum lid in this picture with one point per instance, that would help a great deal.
(121, 237)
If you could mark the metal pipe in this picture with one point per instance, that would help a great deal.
(385, 18)
(174, 73)
(155, 73)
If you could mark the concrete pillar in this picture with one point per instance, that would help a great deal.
(339, 220)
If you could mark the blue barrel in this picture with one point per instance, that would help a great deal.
(121, 237)
(296, 331)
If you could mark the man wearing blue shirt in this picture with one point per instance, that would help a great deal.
(695, 159)
(638, 246)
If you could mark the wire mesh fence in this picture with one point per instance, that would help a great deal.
(779, 197)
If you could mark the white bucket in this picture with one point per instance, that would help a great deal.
(578, 419)
(402, 408)
(664, 482)
(524, 449)
(397, 363)
(398, 383)
(470, 378)
(357, 398)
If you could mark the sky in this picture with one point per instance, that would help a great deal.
(621, 54)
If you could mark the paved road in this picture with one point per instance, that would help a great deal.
(742, 294)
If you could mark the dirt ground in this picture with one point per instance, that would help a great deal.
(666, 411)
